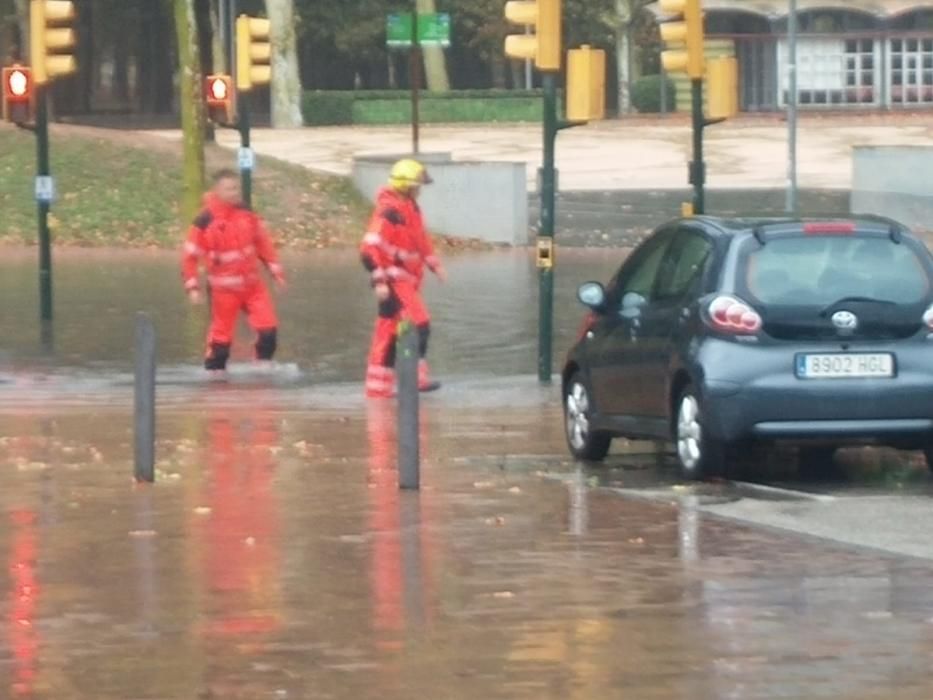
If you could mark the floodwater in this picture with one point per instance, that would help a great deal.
(276, 558)
(485, 319)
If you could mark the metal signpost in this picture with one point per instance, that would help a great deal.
(413, 31)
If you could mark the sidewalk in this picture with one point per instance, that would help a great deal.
(641, 155)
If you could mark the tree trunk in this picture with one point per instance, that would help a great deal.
(624, 12)
(22, 23)
(87, 65)
(191, 103)
(286, 81)
(218, 50)
(435, 63)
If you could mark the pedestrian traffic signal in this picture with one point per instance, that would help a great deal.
(253, 52)
(683, 37)
(52, 41)
(17, 94)
(221, 99)
(544, 46)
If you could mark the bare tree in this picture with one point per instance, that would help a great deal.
(435, 63)
(193, 119)
(625, 13)
(286, 81)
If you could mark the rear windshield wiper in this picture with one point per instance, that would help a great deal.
(866, 300)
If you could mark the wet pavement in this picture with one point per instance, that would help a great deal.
(276, 558)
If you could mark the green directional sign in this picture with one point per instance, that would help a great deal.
(433, 30)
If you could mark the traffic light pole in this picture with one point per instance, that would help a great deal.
(246, 173)
(546, 228)
(44, 203)
(698, 165)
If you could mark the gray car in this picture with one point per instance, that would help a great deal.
(719, 333)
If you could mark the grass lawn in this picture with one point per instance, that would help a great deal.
(117, 188)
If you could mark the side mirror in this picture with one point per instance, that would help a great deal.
(632, 304)
(593, 295)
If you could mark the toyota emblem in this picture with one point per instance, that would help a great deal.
(845, 321)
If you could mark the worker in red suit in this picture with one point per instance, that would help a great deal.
(233, 243)
(395, 250)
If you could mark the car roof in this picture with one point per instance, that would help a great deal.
(736, 225)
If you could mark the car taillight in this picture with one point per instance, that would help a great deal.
(732, 315)
(928, 318)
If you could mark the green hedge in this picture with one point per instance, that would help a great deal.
(325, 107)
(646, 94)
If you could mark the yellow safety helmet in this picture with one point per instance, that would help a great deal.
(408, 173)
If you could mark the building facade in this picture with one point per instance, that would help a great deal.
(851, 54)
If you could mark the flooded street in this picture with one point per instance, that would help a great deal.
(485, 319)
(276, 558)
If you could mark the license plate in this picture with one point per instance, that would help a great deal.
(845, 365)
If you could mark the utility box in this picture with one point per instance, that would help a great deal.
(722, 87)
(586, 84)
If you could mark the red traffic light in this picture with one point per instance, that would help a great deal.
(218, 89)
(220, 98)
(17, 84)
(17, 94)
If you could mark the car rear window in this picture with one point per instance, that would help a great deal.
(818, 270)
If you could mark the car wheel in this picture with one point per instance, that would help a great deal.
(584, 442)
(817, 462)
(698, 454)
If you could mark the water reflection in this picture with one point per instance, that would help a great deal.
(400, 527)
(238, 537)
(23, 634)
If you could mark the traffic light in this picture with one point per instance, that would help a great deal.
(221, 98)
(253, 52)
(17, 94)
(52, 41)
(544, 46)
(586, 84)
(683, 37)
(722, 87)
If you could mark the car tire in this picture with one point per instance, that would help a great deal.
(698, 454)
(584, 442)
(817, 462)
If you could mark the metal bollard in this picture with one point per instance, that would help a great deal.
(145, 375)
(406, 369)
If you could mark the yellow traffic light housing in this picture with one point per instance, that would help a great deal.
(17, 94)
(253, 52)
(722, 88)
(52, 40)
(221, 98)
(586, 84)
(683, 37)
(544, 46)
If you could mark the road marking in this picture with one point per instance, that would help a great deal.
(791, 494)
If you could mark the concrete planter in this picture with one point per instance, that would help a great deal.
(468, 199)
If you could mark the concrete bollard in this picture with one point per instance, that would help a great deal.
(406, 370)
(145, 376)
